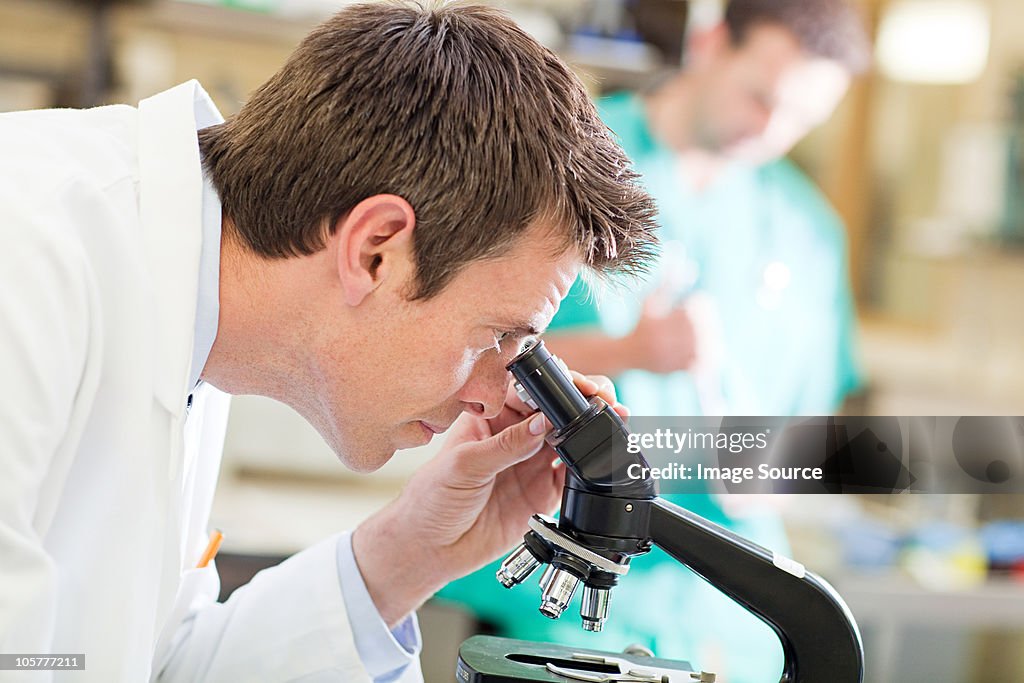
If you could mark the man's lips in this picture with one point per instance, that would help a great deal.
(434, 428)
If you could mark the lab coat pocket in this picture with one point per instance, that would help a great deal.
(198, 587)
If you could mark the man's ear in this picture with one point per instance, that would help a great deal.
(373, 242)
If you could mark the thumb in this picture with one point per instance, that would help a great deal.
(482, 460)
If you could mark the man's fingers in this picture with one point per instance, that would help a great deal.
(481, 460)
(585, 384)
(508, 417)
(605, 389)
(595, 385)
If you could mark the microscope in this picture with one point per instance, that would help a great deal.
(608, 517)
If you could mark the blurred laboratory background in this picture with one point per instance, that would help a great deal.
(923, 162)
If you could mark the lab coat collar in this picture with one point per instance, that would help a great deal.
(170, 208)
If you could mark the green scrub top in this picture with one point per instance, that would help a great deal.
(766, 245)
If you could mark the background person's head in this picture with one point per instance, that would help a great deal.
(770, 72)
(417, 189)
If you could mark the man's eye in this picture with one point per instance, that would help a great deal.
(526, 342)
(504, 339)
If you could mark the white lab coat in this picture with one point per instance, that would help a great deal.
(105, 487)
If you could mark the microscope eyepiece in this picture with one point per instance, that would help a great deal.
(542, 377)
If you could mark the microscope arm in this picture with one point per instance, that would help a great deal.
(819, 636)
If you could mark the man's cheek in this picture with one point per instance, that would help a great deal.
(450, 373)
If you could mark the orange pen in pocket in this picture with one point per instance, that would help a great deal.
(211, 548)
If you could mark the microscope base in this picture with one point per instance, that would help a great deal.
(487, 659)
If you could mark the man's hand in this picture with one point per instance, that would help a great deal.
(668, 338)
(465, 507)
(664, 339)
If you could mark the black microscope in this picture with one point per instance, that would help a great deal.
(607, 518)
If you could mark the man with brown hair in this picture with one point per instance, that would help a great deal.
(370, 241)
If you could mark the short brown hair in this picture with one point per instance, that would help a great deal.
(832, 29)
(454, 108)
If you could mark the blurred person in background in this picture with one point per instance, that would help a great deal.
(749, 313)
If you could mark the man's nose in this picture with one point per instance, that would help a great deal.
(485, 392)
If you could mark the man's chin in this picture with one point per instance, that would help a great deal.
(371, 455)
(753, 152)
(365, 463)
(366, 458)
